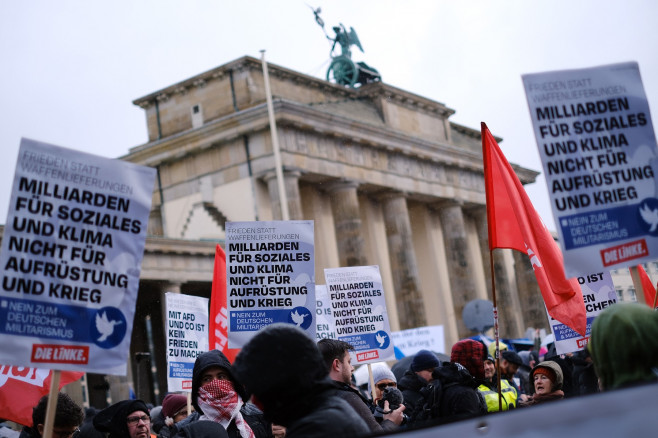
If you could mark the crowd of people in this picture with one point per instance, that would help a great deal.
(283, 384)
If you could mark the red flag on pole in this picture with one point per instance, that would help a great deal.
(514, 223)
(218, 326)
(21, 388)
(647, 286)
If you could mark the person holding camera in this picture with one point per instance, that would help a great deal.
(336, 356)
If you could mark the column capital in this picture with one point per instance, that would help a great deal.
(287, 173)
(386, 195)
(443, 204)
(340, 185)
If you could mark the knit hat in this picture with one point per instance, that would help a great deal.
(380, 371)
(113, 418)
(512, 357)
(551, 370)
(470, 354)
(172, 404)
(424, 360)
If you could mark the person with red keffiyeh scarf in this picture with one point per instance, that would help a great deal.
(219, 397)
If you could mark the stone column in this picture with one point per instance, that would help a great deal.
(347, 221)
(459, 260)
(510, 315)
(404, 269)
(291, 184)
(532, 303)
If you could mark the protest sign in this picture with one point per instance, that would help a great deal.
(187, 337)
(270, 271)
(598, 293)
(411, 341)
(358, 307)
(71, 257)
(598, 150)
(324, 323)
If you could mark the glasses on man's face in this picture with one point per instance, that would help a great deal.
(135, 420)
(383, 386)
(66, 433)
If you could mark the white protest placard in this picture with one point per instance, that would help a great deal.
(187, 337)
(598, 150)
(358, 307)
(324, 323)
(411, 341)
(270, 270)
(598, 293)
(71, 255)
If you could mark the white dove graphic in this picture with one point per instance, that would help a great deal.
(297, 318)
(104, 326)
(381, 339)
(649, 216)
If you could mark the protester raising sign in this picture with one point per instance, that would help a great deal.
(187, 337)
(71, 256)
(598, 149)
(271, 277)
(358, 308)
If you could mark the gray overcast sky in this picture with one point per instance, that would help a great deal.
(71, 69)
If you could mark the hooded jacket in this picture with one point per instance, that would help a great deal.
(212, 358)
(410, 384)
(113, 418)
(283, 368)
(624, 345)
(253, 417)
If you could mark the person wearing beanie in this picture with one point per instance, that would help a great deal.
(383, 378)
(174, 408)
(283, 369)
(548, 379)
(415, 379)
(337, 360)
(489, 389)
(218, 396)
(624, 345)
(125, 419)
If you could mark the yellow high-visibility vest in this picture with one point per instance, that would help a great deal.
(491, 396)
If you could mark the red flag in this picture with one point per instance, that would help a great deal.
(647, 286)
(218, 315)
(513, 223)
(21, 388)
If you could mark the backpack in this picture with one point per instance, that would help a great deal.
(432, 398)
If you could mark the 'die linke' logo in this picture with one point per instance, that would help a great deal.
(108, 327)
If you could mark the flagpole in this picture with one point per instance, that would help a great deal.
(496, 337)
(51, 407)
(278, 166)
